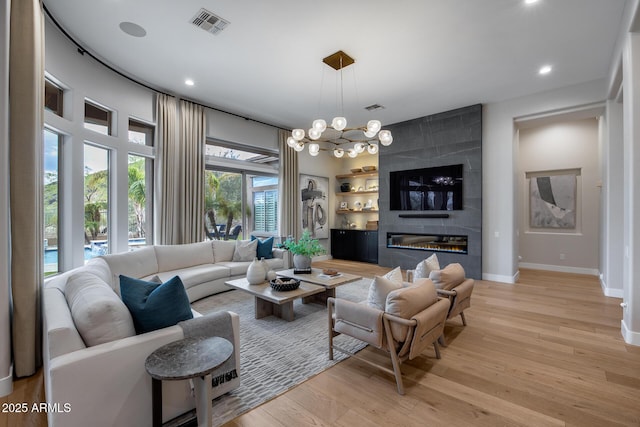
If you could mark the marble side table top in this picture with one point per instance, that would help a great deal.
(188, 358)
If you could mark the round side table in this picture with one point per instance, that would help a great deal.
(188, 358)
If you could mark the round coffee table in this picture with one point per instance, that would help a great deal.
(188, 358)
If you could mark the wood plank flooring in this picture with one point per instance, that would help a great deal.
(544, 352)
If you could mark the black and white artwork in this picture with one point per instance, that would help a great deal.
(315, 205)
(552, 201)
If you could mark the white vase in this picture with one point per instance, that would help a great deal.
(265, 267)
(255, 273)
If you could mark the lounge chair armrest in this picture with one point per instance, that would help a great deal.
(359, 321)
(446, 292)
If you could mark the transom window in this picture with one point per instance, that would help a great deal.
(96, 118)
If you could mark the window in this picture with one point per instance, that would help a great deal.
(264, 190)
(53, 96)
(96, 200)
(140, 171)
(140, 133)
(52, 143)
(96, 118)
(223, 205)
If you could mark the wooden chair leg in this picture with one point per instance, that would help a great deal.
(442, 341)
(395, 360)
(437, 349)
(464, 321)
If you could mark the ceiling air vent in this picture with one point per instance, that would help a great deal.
(209, 22)
(374, 107)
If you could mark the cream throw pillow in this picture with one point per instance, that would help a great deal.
(98, 313)
(449, 277)
(245, 250)
(427, 266)
(378, 291)
(394, 275)
(406, 302)
(223, 250)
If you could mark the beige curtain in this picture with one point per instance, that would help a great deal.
(167, 176)
(192, 141)
(288, 187)
(26, 111)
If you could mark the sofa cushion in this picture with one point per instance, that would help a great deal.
(236, 268)
(265, 247)
(426, 266)
(172, 257)
(97, 312)
(155, 306)
(195, 275)
(378, 291)
(139, 263)
(245, 250)
(223, 250)
(275, 263)
(406, 302)
(449, 277)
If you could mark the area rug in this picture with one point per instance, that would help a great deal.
(276, 355)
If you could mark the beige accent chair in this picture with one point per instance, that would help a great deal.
(413, 320)
(451, 283)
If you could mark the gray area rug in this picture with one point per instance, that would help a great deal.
(276, 355)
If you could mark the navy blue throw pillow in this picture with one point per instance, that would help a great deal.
(265, 247)
(155, 305)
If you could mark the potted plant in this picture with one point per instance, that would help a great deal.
(302, 250)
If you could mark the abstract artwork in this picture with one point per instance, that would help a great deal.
(315, 205)
(552, 201)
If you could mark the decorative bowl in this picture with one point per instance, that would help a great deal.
(356, 170)
(283, 284)
(329, 271)
(369, 168)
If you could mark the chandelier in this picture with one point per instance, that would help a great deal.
(337, 137)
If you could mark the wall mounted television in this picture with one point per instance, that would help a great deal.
(429, 189)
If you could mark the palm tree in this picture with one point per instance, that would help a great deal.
(137, 195)
(212, 184)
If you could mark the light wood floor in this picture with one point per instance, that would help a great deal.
(544, 352)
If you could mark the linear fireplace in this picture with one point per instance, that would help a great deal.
(428, 242)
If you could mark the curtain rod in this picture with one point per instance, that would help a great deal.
(82, 51)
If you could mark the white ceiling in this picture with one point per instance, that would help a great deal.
(415, 57)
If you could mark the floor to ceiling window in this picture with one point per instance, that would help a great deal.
(52, 145)
(241, 192)
(96, 199)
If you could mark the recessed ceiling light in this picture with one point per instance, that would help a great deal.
(530, 1)
(546, 69)
(189, 82)
(133, 29)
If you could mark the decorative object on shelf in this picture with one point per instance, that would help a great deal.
(358, 206)
(371, 185)
(345, 187)
(302, 250)
(338, 136)
(369, 204)
(344, 206)
(255, 273)
(369, 168)
(284, 285)
(356, 170)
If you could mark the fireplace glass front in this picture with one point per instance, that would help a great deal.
(428, 242)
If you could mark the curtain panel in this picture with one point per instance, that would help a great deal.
(26, 113)
(288, 186)
(167, 175)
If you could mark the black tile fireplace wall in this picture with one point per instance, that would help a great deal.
(452, 137)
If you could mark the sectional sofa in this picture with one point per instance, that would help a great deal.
(93, 360)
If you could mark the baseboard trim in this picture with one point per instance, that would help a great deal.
(630, 337)
(501, 278)
(610, 292)
(6, 383)
(560, 268)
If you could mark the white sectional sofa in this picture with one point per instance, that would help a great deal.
(94, 369)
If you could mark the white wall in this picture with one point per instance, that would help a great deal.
(499, 204)
(230, 128)
(6, 376)
(562, 146)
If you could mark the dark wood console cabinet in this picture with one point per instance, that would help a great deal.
(355, 245)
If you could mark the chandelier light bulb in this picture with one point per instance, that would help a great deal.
(297, 134)
(385, 137)
(319, 125)
(314, 133)
(372, 148)
(338, 152)
(291, 141)
(374, 126)
(314, 149)
(359, 147)
(299, 146)
(369, 134)
(314, 153)
(352, 153)
(339, 123)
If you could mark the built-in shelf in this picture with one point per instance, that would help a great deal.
(348, 211)
(358, 175)
(355, 193)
